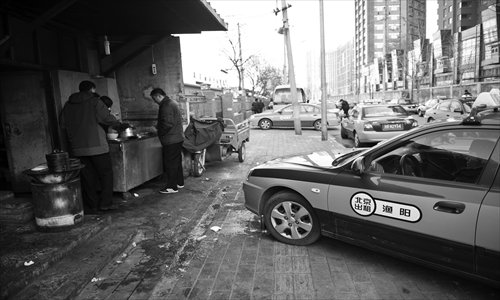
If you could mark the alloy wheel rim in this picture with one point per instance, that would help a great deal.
(291, 220)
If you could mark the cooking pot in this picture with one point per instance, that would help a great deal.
(127, 133)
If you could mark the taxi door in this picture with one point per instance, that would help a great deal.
(426, 218)
(284, 118)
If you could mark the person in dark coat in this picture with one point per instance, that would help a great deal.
(255, 106)
(171, 136)
(82, 119)
(344, 105)
(260, 106)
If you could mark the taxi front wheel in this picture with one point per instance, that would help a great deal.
(291, 219)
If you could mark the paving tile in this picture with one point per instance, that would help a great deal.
(366, 290)
(224, 280)
(283, 296)
(300, 264)
(220, 295)
(263, 284)
(343, 282)
(248, 256)
(358, 273)
(209, 270)
(283, 264)
(241, 293)
(283, 283)
(337, 264)
(264, 264)
(320, 271)
(282, 249)
(303, 284)
(202, 289)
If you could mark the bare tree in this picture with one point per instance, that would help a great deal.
(238, 62)
(264, 77)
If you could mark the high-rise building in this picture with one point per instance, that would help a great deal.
(341, 78)
(460, 15)
(382, 26)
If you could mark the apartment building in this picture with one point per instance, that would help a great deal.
(382, 26)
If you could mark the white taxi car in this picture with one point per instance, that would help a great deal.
(431, 195)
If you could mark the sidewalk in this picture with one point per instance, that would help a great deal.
(162, 247)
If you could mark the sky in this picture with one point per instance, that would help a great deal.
(207, 53)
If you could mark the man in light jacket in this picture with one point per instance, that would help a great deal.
(171, 136)
(82, 119)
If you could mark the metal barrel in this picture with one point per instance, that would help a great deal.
(58, 206)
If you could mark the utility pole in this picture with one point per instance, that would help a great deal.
(324, 121)
(242, 76)
(291, 72)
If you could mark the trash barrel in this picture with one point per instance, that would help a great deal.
(58, 206)
(57, 193)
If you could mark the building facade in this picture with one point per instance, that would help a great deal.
(382, 26)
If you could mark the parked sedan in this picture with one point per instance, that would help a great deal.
(429, 196)
(448, 110)
(409, 106)
(375, 123)
(422, 108)
(310, 117)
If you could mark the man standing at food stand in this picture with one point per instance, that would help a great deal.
(171, 137)
(82, 119)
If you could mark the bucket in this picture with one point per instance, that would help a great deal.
(58, 206)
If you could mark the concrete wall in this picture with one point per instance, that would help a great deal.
(135, 79)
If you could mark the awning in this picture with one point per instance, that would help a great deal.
(119, 17)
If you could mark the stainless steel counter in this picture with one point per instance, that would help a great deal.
(135, 161)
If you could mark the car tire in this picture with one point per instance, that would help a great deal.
(281, 220)
(430, 119)
(357, 142)
(242, 152)
(343, 132)
(317, 125)
(265, 124)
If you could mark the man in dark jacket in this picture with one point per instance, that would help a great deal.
(82, 119)
(171, 136)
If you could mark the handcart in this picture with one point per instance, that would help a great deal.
(212, 139)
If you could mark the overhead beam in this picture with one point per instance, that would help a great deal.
(127, 51)
(40, 21)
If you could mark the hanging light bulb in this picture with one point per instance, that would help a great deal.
(107, 49)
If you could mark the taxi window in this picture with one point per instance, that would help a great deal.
(458, 155)
(287, 110)
(306, 108)
(444, 106)
(455, 105)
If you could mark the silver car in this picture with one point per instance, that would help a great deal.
(373, 123)
(309, 114)
(430, 195)
(449, 109)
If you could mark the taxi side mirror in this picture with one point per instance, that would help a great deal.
(358, 165)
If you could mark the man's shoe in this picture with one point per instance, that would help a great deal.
(168, 191)
(180, 186)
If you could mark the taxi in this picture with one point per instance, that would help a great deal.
(430, 195)
(309, 115)
(373, 123)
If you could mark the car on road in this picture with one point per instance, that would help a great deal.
(407, 104)
(372, 123)
(450, 109)
(422, 108)
(430, 195)
(310, 117)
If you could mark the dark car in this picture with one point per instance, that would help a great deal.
(407, 104)
(430, 195)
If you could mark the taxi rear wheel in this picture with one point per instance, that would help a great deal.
(265, 124)
(317, 125)
(291, 219)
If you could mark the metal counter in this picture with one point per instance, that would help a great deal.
(135, 161)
